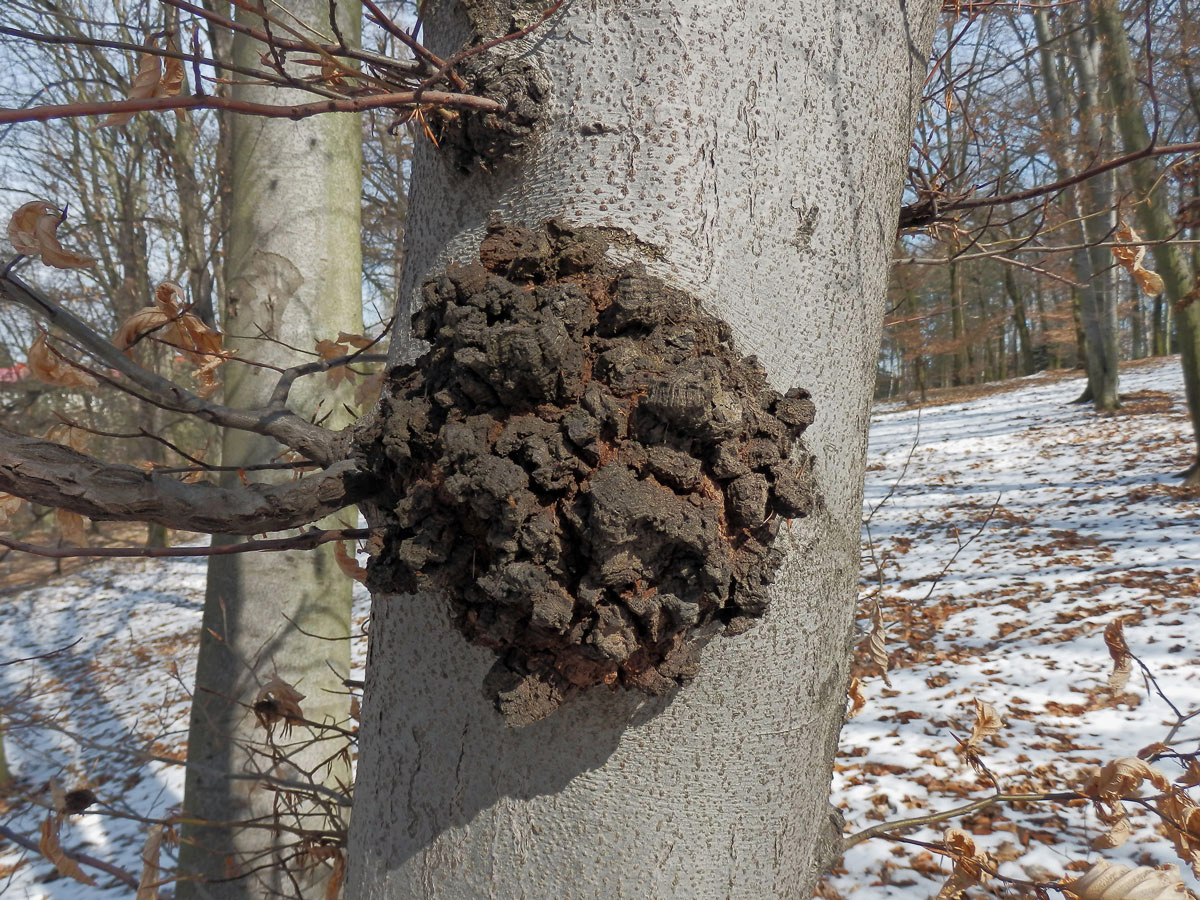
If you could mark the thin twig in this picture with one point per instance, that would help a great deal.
(246, 107)
(884, 828)
(85, 859)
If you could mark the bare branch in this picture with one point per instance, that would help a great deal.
(313, 441)
(314, 537)
(267, 110)
(288, 377)
(929, 209)
(82, 858)
(52, 475)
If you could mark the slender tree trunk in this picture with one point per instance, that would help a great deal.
(293, 271)
(1137, 323)
(961, 364)
(1020, 322)
(727, 149)
(1153, 215)
(5, 774)
(1096, 306)
(1099, 303)
(1081, 338)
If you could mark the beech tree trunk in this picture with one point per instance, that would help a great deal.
(293, 271)
(1096, 326)
(1099, 300)
(751, 154)
(1153, 214)
(1021, 322)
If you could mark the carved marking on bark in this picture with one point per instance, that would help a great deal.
(587, 468)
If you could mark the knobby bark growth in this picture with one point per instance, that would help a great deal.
(586, 467)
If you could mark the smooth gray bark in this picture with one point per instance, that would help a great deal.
(1020, 322)
(751, 153)
(1097, 303)
(293, 272)
(1153, 214)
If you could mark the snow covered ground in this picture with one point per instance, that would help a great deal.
(93, 714)
(1073, 519)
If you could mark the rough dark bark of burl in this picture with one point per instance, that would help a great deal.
(585, 466)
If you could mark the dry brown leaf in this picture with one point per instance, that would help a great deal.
(857, 700)
(1130, 258)
(1191, 775)
(72, 527)
(277, 701)
(142, 322)
(1118, 833)
(355, 710)
(171, 83)
(146, 84)
(1119, 676)
(1123, 777)
(332, 350)
(368, 390)
(327, 349)
(8, 508)
(33, 230)
(875, 642)
(22, 227)
(987, 721)
(58, 795)
(69, 436)
(348, 564)
(148, 882)
(169, 321)
(1181, 819)
(968, 864)
(50, 367)
(51, 849)
(357, 341)
(333, 887)
(959, 842)
(1114, 639)
(1106, 881)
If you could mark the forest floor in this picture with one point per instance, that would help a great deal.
(1004, 532)
(1007, 529)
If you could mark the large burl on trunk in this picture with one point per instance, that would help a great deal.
(585, 467)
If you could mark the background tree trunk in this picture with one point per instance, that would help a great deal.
(293, 271)
(753, 156)
(1096, 326)
(1152, 213)
(1020, 322)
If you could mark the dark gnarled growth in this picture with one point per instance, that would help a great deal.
(587, 467)
(504, 73)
